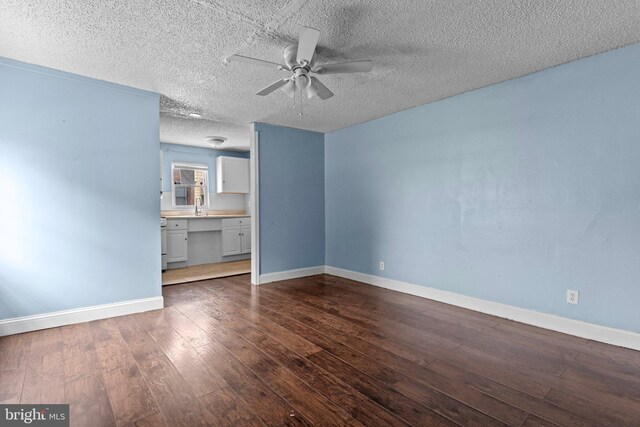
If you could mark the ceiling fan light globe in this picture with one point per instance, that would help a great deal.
(302, 82)
(289, 89)
(311, 92)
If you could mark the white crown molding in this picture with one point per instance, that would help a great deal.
(565, 325)
(78, 315)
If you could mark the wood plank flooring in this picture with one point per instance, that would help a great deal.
(318, 351)
(195, 273)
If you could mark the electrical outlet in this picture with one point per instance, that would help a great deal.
(381, 265)
(572, 296)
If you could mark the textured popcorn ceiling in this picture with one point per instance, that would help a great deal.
(422, 51)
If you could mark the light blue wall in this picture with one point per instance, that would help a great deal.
(79, 207)
(187, 154)
(291, 198)
(511, 193)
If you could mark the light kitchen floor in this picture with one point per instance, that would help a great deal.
(205, 271)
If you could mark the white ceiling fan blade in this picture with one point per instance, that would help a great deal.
(289, 88)
(307, 44)
(273, 86)
(345, 67)
(317, 88)
(254, 61)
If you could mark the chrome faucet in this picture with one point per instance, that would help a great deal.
(198, 209)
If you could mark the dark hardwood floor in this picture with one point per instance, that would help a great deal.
(318, 351)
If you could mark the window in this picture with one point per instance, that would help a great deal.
(190, 183)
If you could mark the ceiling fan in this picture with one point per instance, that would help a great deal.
(299, 60)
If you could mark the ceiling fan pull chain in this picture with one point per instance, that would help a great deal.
(301, 101)
(294, 100)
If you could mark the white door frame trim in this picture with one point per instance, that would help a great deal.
(254, 197)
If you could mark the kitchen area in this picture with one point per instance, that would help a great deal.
(205, 219)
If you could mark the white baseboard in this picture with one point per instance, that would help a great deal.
(565, 325)
(291, 274)
(78, 315)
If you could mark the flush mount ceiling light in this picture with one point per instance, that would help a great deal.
(215, 141)
(195, 115)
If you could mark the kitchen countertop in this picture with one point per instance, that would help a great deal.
(192, 216)
(210, 214)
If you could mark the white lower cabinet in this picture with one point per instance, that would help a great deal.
(177, 245)
(177, 240)
(231, 241)
(236, 236)
(245, 238)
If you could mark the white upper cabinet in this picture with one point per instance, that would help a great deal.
(232, 175)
